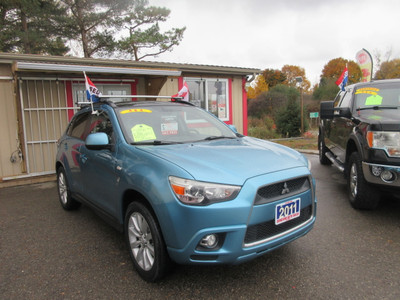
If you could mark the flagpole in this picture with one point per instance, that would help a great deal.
(372, 62)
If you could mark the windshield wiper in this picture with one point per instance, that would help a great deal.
(215, 137)
(376, 107)
(155, 142)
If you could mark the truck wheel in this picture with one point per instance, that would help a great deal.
(144, 240)
(322, 150)
(361, 194)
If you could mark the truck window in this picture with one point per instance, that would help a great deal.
(346, 99)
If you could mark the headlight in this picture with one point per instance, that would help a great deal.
(386, 140)
(202, 193)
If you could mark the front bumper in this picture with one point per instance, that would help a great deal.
(235, 247)
(376, 176)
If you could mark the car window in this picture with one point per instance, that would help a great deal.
(78, 128)
(170, 123)
(100, 122)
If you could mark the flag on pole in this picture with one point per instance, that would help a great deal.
(342, 81)
(184, 92)
(92, 92)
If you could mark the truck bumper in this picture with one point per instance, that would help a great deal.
(382, 174)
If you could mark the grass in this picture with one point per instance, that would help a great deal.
(300, 143)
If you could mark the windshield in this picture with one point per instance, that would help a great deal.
(382, 95)
(165, 124)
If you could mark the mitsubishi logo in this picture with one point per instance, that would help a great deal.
(285, 189)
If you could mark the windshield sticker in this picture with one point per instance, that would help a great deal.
(373, 100)
(368, 90)
(169, 126)
(135, 110)
(142, 132)
(374, 117)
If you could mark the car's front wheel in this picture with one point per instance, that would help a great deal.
(361, 194)
(64, 193)
(322, 150)
(145, 242)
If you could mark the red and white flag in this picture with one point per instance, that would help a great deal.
(184, 92)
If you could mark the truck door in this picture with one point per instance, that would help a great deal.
(341, 126)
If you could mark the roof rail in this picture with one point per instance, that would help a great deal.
(107, 99)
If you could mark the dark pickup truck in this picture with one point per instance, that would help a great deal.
(359, 133)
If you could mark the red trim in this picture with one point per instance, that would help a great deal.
(180, 83)
(70, 101)
(244, 99)
(230, 121)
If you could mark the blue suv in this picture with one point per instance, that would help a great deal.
(183, 186)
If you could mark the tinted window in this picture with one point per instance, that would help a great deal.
(346, 99)
(101, 123)
(339, 96)
(78, 126)
(375, 95)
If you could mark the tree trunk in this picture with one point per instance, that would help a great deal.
(26, 45)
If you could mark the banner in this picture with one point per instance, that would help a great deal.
(364, 60)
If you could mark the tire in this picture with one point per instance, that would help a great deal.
(64, 193)
(322, 150)
(145, 243)
(361, 194)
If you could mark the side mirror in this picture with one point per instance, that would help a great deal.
(97, 141)
(233, 128)
(326, 110)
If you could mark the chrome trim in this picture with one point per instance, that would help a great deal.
(377, 180)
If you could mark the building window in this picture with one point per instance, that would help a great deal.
(210, 94)
(79, 91)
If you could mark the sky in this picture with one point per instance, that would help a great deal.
(267, 34)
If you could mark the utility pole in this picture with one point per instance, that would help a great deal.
(299, 80)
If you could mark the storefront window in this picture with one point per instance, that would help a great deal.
(210, 94)
(79, 91)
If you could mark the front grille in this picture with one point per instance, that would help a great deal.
(268, 229)
(281, 190)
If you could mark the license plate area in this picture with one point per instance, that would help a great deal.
(287, 211)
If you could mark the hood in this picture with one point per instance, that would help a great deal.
(381, 119)
(229, 161)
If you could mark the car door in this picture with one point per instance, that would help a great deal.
(98, 168)
(71, 146)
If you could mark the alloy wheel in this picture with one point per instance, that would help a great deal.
(353, 180)
(62, 188)
(141, 241)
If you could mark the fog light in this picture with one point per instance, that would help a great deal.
(376, 171)
(209, 241)
(388, 176)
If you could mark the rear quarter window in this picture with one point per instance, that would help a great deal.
(79, 127)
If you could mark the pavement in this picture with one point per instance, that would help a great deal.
(49, 253)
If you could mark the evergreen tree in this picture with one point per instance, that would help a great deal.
(127, 27)
(33, 27)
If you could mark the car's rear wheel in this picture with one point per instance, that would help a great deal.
(145, 242)
(361, 194)
(64, 193)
